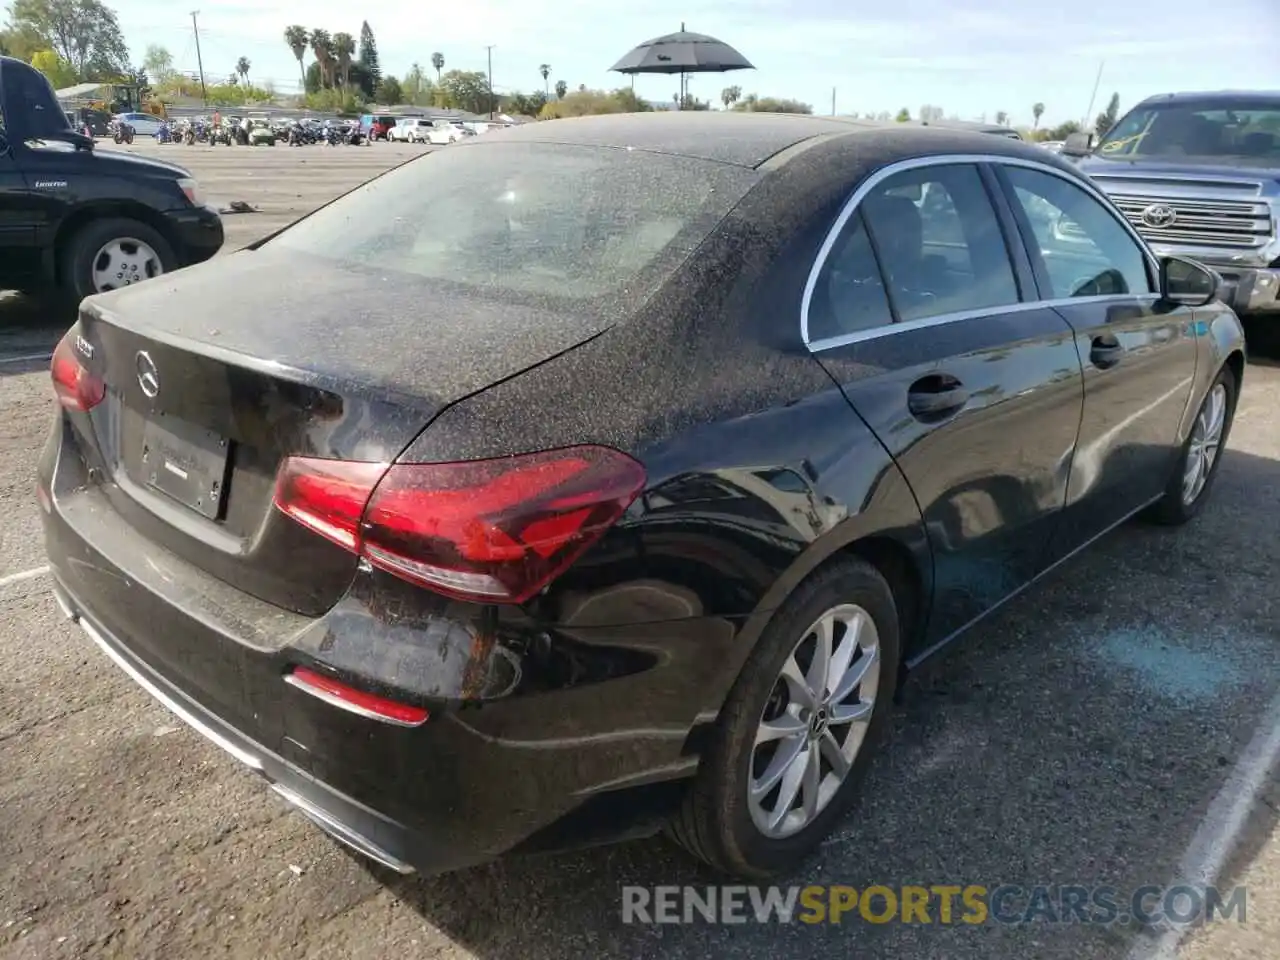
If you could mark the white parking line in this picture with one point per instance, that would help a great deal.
(24, 575)
(29, 358)
(1219, 832)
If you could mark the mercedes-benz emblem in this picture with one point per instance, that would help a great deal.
(1159, 215)
(148, 375)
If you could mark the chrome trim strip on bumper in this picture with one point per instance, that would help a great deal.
(341, 832)
(184, 714)
(316, 814)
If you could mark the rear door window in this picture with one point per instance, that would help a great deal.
(939, 242)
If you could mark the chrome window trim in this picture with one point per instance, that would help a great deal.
(947, 160)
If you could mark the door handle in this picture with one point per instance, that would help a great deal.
(936, 396)
(1105, 352)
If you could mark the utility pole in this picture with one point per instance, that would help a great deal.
(492, 107)
(833, 101)
(204, 94)
(1084, 124)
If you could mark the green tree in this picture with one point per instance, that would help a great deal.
(561, 89)
(55, 68)
(1037, 111)
(415, 84)
(1108, 117)
(730, 95)
(84, 33)
(1002, 118)
(903, 115)
(158, 62)
(1064, 130)
(545, 70)
(322, 50)
(629, 101)
(754, 103)
(437, 61)
(369, 58)
(242, 69)
(297, 38)
(21, 42)
(466, 90)
(313, 78)
(525, 104)
(390, 92)
(344, 49)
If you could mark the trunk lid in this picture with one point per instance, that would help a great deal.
(215, 374)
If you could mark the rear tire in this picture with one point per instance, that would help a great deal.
(1186, 493)
(76, 276)
(720, 823)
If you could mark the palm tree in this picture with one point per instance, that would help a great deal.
(322, 47)
(730, 95)
(561, 89)
(545, 70)
(1036, 111)
(297, 38)
(437, 61)
(344, 48)
(242, 68)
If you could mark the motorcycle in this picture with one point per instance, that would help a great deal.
(121, 132)
(165, 134)
(189, 135)
(240, 134)
(219, 134)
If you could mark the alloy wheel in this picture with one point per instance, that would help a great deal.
(122, 262)
(1206, 439)
(814, 722)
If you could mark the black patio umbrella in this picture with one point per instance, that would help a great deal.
(682, 53)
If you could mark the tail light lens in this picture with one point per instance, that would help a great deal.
(76, 388)
(495, 531)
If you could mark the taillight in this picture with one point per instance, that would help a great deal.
(76, 388)
(489, 530)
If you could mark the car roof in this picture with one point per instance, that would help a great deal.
(750, 139)
(1264, 96)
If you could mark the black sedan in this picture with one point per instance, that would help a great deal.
(615, 482)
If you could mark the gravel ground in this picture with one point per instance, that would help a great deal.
(1078, 737)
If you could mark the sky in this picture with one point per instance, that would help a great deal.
(972, 61)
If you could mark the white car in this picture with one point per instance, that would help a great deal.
(447, 131)
(412, 130)
(144, 124)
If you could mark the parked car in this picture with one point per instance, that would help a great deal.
(447, 131)
(644, 520)
(1053, 146)
(83, 220)
(412, 130)
(377, 126)
(144, 124)
(1198, 175)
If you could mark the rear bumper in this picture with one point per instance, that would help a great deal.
(345, 819)
(585, 739)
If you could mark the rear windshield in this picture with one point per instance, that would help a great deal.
(528, 218)
(1225, 131)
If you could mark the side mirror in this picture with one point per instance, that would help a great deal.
(1077, 145)
(1187, 283)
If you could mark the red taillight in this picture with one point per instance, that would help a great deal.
(356, 701)
(488, 530)
(76, 388)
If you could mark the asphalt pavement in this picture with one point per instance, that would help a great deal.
(1095, 732)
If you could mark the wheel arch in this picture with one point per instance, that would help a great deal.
(75, 221)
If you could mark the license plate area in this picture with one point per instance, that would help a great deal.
(186, 463)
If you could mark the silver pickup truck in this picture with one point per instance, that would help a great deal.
(1198, 175)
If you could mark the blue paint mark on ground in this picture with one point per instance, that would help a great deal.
(1174, 669)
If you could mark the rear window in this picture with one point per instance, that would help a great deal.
(548, 220)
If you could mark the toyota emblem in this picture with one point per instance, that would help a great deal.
(148, 375)
(1159, 215)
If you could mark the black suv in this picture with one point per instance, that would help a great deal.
(85, 221)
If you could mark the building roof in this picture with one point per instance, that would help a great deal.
(79, 90)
